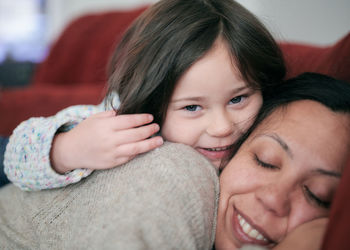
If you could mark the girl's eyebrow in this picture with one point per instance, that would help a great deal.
(190, 98)
(201, 98)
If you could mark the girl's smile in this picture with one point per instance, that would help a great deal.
(216, 153)
(211, 106)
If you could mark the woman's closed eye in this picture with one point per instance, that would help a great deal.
(264, 164)
(314, 199)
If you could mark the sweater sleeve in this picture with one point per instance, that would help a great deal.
(27, 156)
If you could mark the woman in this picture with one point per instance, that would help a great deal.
(293, 161)
(282, 178)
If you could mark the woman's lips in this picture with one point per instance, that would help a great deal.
(216, 153)
(248, 233)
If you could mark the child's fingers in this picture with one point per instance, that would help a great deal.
(122, 122)
(127, 152)
(122, 160)
(135, 134)
(136, 148)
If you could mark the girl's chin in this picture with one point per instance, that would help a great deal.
(216, 163)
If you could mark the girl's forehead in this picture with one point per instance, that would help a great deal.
(222, 44)
(212, 65)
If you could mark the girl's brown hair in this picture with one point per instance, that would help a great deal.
(172, 35)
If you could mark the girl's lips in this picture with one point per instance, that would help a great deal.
(246, 232)
(216, 153)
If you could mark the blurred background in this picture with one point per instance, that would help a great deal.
(28, 27)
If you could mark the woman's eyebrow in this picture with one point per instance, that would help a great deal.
(327, 172)
(280, 141)
(285, 147)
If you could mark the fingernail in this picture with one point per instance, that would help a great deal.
(159, 141)
(156, 127)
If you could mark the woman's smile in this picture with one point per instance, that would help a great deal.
(246, 232)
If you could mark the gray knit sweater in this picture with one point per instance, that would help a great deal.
(165, 199)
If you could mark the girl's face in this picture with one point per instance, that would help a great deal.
(284, 175)
(211, 106)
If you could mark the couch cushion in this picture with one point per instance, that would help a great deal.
(333, 60)
(81, 53)
(21, 104)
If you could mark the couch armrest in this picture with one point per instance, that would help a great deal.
(21, 104)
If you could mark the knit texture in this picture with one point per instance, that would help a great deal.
(27, 156)
(165, 199)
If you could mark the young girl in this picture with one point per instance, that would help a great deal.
(200, 68)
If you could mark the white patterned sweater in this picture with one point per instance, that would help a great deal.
(27, 156)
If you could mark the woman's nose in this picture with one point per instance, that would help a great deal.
(275, 198)
(220, 125)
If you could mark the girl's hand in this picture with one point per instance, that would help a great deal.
(307, 236)
(104, 141)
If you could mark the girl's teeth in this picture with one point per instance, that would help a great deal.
(218, 149)
(249, 230)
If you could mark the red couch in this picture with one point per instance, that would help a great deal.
(75, 73)
(75, 70)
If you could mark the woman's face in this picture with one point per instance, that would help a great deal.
(211, 106)
(285, 174)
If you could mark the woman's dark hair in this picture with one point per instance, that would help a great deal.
(330, 92)
(172, 35)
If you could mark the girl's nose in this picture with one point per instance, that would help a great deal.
(275, 198)
(220, 125)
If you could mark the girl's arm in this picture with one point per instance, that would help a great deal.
(53, 152)
(27, 156)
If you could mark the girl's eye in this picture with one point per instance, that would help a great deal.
(316, 200)
(264, 164)
(237, 99)
(192, 108)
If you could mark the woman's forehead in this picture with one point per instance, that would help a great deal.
(306, 115)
